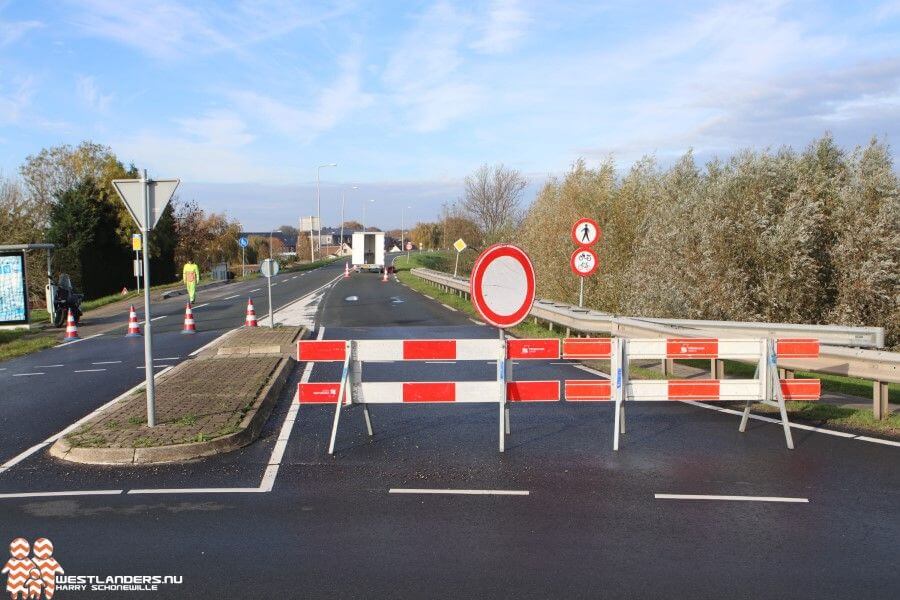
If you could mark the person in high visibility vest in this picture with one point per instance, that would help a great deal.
(191, 277)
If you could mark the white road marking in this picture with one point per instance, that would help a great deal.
(66, 493)
(89, 370)
(20, 457)
(45, 366)
(26, 374)
(167, 358)
(476, 322)
(268, 479)
(842, 434)
(231, 297)
(440, 362)
(107, 362)
(294, 277)
(200, 305)
(155, 366)
(158, 318)
(255, 289)
(449, 307)
(90, 337)
(244, 490)
(590, 370)
(461, 492)
(735, 498)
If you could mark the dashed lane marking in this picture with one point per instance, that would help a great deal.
(255, 289)
(460, 492)
(201, 305)
(44, 367)
(168, 358)
(66, 493)
(26, 374)
(89, 370)
(449, 307)
(231, 297)
(107, 362)
(729, 498)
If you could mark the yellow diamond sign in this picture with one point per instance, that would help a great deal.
(460, 245)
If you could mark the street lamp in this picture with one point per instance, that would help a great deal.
(364, 213)
(319, 205)
(341, 241)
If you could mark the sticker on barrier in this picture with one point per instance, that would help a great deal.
(351, 390)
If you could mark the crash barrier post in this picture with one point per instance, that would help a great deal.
(765, 387)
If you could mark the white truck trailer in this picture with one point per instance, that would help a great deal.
(368, 251)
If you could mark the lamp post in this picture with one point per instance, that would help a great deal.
(341, 241)
(319, 205)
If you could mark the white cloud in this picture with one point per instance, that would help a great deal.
(15, 101)
(90, 94)
(13, 31)
(423, 74)
(170, 29)
(208, 147)
(333, 103)
(505, 24)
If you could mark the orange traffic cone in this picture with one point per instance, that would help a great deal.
(346, 270)
(71, 330)
(124, 291)
(188, 320)
(134, 329)
(251, 314)
(385, 275)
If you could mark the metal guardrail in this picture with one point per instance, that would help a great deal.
(835, 357)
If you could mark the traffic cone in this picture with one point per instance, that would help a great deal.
(134, 330)
(71, 330)
(346, 270)
(188, 320)
(385, 275)
(124, 291)
(251, 314)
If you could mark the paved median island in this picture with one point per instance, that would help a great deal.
(208, 405)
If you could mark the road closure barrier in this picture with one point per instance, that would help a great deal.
(349, 389)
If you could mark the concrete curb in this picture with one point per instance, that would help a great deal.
(250, 427)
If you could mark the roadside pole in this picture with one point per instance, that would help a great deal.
(148, 321)
(271, 310)
(269, 269)
(581, 293)
(146, 200)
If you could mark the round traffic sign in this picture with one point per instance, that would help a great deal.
(409, 245)
(269, 267)
(585, 232)
(242, 242)
(584, 262)
(502, 285)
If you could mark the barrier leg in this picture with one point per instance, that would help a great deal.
(779, 397)
(506, 418)
(617, 370)
(368, 419)
(760, 367)
(618, 425)
(622, 419)
(340, 402)
(509, 377)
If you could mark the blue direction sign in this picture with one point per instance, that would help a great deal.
(243, 242)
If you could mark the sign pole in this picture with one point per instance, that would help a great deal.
(456, 266)
(148, 335)
(243, 260)
(271, 310)
(501, 380)
(581, 293)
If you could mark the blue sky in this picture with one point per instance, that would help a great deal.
(243, 100)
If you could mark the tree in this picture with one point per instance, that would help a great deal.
(492, 197)
(353, 226)
(288, 230)
(84, 228)
(426, 235)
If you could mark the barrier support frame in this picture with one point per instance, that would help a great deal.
(619, 370)
(342, 389)
(767, 370)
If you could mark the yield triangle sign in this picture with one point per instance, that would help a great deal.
(131, 191)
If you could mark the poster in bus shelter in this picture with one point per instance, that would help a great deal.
(13, 291)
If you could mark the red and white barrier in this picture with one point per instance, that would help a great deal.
(764, 388)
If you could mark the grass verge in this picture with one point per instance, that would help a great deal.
(18, 343)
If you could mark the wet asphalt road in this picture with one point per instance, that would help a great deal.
(590, 526)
